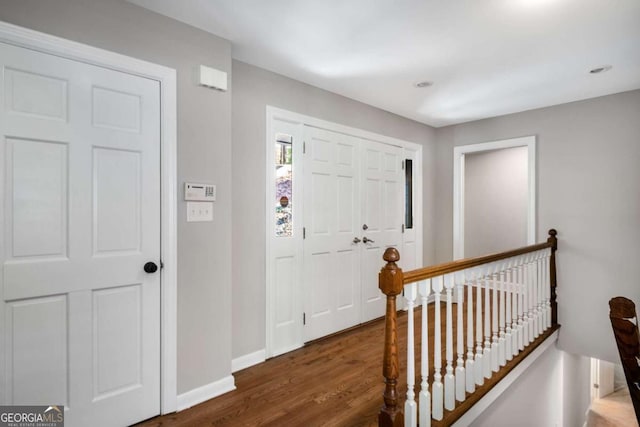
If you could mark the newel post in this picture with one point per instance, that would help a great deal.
(390, 283)
(552, 275)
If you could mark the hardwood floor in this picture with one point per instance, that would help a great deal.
(336, 381)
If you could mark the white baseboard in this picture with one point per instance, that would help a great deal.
(206, 392)
(242, 362)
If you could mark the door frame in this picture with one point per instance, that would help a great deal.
(296, 122)
(459, 153)
(166, 77)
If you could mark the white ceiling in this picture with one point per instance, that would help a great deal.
(486, 57)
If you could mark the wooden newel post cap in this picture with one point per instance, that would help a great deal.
(553, 239)
(621, 308)
(392, 255)
(390, 279)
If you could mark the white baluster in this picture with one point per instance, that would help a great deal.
(410, 407)
(479, 374)
(547, 285)
(437, 387)
(449, 379)
(521, 290)
(502, 360)
(536, 287)
(508, 349)
(424, 400)
(541, 312)
(486, 366)
(528, 303)
(543, 289)
(460, 370)
(470, 380)
(495, 350)
(514, 305)
(532, 299)
(525, 303)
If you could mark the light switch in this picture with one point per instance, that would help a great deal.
(199, 211)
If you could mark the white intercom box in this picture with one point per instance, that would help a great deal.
(199, 192)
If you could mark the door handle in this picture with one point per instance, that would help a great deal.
(367, 240)
(150, 267)
(356, 240)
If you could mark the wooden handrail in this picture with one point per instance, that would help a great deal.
(391, 282)
(450, 267)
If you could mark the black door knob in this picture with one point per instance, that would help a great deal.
(150, 267)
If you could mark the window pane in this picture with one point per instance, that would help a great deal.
(284, 180)
(408, 193)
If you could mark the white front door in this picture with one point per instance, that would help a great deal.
(80, 164)
(353, 212)
(332, 222)
(382, 209)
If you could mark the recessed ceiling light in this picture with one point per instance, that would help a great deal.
(601, 69)
(423, 84)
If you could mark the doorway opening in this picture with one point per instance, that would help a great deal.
(494, 193)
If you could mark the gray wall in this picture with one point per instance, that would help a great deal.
(204, 152)
(496, 196)
(559, 397)
(588, 156)
(253, 90)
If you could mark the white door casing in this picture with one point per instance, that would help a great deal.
(81, 196)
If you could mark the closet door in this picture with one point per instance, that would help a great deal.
(80, 243)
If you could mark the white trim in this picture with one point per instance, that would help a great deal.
(34, 40)
(458, 186)
(289, 116)
(248, 360)
(274, 113)
(476, 410)
(206, 392)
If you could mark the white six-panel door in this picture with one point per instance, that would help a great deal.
(353, 212)
(332, 220)
(382, 209)
(79, 161)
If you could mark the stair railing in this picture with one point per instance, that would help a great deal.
(509, 301)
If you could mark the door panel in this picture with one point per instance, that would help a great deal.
(39, 222)
(81, 201)
(38, 349)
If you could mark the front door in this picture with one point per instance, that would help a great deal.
(332, 230)
(353, 191)
(80, 165)
(382, 218)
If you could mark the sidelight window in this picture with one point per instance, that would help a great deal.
(408, 193)
(284, 179)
